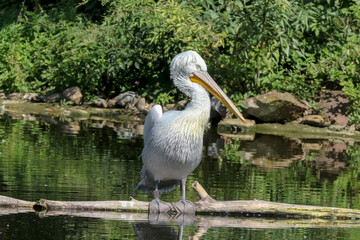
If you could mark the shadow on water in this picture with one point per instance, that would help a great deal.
(67, 159)
(157, 231)
(137, 225)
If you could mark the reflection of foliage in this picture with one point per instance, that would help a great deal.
(354, 154)
(39, 157)
(311, 157)
(347, 183)
(302, 182)
(232, 151)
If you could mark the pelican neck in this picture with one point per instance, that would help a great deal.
(200, 103)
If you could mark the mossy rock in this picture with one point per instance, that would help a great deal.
(79, 114)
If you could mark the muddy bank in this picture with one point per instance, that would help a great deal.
(235, 128)
(70, 112)
(229, 127)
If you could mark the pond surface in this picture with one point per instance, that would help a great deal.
(62, 159)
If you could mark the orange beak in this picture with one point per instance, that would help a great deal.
(205, 80)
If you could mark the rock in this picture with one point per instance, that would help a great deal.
(315, 120)
(141, 104)
(116, 98)
(335, 105)
(217, 111)
(99, 102)
(309, 110)
(13, 96)
(139, 129)
(110, 125)
(127, 99)
(150, 106)
(79, 114)
(337, 127)
(352, 128)
(73, 94)
(3, 96)
(56, 97)
(111, 103)
(274, 107)
(237, 128)
(170, 106)
(41, 99)
(30, 96)
(229, 124)
(180, 105)
(98, 124)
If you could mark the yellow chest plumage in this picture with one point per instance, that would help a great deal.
(191, 125)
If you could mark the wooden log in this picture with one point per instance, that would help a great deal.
(215, 221)
(126, 206)
(205, 206)
(208, 205)
(8, 202)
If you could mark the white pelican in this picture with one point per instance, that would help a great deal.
(173, 140)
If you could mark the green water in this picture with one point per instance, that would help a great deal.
(61, 159)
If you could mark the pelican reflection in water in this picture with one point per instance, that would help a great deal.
(173, 140)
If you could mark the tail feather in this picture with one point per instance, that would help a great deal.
(147, 183)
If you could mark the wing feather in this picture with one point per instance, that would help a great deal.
(152, 118)
(147, 182)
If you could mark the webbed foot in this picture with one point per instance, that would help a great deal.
(158, 206)
(185, 207)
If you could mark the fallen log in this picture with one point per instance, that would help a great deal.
(208, 205)
(122, 206)
(205, 206)
(8, 202)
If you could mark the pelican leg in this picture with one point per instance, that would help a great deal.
(183, 205)
(156, 205)
(156, 191)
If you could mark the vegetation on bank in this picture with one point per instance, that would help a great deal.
(251, 46)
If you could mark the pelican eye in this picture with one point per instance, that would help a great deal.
(198, 67)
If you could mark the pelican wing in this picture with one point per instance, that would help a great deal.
(147, 182)
(152, 118)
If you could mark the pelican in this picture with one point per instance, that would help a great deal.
(173, 140)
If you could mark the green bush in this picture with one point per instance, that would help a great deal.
(251, 47)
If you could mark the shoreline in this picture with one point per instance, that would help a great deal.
(232, 128)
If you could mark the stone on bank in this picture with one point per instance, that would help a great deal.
(274, 107)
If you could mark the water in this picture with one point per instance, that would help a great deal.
(62, 159)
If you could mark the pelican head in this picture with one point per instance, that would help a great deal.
(189, 73)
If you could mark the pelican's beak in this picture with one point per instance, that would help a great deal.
(205, 80)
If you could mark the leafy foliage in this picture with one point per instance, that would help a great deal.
(164, 98)
(250, 46)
